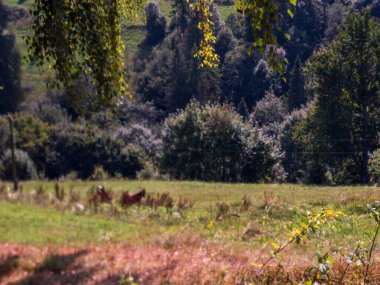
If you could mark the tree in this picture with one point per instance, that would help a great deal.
(344, 78)
(83, 38)
(306, 30)
(32, 137)
(245, 76)
(293, 160)
(242, 109)
(225, 42)
(296, 92)
(10, 81)
(155, 24)
(172, 77)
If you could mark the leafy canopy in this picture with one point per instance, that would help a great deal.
(82, 39)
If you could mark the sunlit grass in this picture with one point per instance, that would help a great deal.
(274, 209)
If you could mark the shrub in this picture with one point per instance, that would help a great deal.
(224, 137)
(24, 165)
(32, 136)
(142, 136)
(69, 151)
(374, 166)
(149, 172)
(48, 112)
(134, 160)
(80, 147)
(212, 142)
(269, 113)
(99, 173)
(262, 159)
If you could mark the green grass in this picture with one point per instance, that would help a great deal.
(204, 192)
(22, 223)
(36, 224)
(226, 10)
(27, 4)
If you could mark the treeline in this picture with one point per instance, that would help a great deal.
(237, 122)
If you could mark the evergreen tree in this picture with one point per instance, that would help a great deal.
(245, 76)
(296, 93)
(155, 24)
(306, 30)
(343, 126)
(242, 109)
(172, 76)
(10, 73)
(225, 42)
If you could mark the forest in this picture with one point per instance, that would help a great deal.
(318, 123)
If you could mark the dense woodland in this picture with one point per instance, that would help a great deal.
(239, 122)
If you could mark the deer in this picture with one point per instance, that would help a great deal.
(131, 199)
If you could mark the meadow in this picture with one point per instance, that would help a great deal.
(233, 228)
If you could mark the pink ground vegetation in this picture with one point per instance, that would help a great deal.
(173, 260)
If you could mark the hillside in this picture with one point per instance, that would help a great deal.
(238, 121)
(133, 35)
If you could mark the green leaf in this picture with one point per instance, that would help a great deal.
(293, 2)
(290, 12)
(287, 36)
(250, 50)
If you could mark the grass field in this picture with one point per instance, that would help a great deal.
(217, 222)
(272, 209)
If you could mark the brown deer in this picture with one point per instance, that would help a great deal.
(104, 196)
(131, 199)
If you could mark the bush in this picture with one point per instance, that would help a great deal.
(24, 165)
(69, 151)
(269, 113)
(141, 136)
(212, 142)
(99, 173)
(374, 166)
(133, 160)
(149, 172)
(32, 136)
(262, 159)
(48, 112)
(80, 147)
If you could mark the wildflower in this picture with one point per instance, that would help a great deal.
(210, 225)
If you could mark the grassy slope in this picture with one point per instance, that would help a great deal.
(133, 35)
(22, 223)
(37, 225)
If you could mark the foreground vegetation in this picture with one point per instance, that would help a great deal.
(247, 220)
